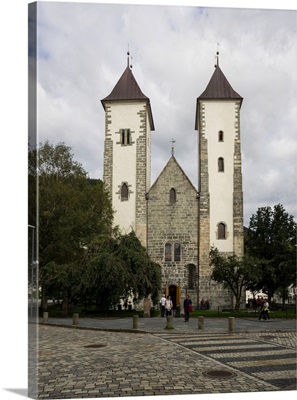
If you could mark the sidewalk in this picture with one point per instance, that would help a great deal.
(158, 324)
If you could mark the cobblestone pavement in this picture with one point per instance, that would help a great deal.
(81, 363)
(269, 357)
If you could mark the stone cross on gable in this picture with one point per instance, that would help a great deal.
(172, 146)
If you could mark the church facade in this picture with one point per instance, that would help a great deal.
(177, 223)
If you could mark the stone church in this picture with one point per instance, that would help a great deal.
(177, 223)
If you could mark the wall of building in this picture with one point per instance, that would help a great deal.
(128, 163)
(174, 223)
(220, 192)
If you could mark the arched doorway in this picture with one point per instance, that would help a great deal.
(174, 292)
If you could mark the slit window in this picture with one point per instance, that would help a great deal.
(125, 137)
(221, 136)
(168, 252)
(220, 164)
(191, 277)
(172, 196)
(124, 192)
(221, 231)
(176, 251)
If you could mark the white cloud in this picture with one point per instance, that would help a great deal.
(82, 51)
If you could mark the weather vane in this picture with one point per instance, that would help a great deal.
(172, 146)
(217, 55)
(128, 58)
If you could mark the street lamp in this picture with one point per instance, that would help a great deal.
(32, 266)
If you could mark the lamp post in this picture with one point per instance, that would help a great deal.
(32, 266)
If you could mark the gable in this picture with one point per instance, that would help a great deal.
(172, 176)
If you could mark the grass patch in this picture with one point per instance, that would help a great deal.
(55, 311)
(243, 313)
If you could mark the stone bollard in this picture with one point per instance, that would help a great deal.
(135, 321)
(45, 317)
(169, 322)
(201, 322)
(231, 324)
(75, 319)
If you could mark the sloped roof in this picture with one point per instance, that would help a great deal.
(173, 160)
(219, 87)
(127, 89)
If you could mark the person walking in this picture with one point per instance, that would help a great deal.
(261, 315)
(187, 305)
(266, 310)
(168, 306)
(162, 304)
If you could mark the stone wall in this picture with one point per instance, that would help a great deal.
(174, 223)
(141, 180)
(108, 152)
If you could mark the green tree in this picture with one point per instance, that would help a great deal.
(69, 211)
(271, 238)
(118, 268)
(233, 273)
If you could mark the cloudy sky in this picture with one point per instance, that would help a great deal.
(82, 51)
(83, 54)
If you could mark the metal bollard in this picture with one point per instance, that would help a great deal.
(135, 321)
(201, 322)
(169, 322)
(231, 324)
(75, 319)
(45, 317)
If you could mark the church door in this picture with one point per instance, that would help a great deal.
(173, 295)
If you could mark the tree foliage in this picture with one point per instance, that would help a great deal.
(120, 268)
(271, 238)
(81, 257)
(72, 209)
(233, 273)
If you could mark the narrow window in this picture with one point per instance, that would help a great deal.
(172, 196)
(128, 136)
(221, 164)
(191, 276)
(168, 252)
(221, 136)
(221, 231)
(176, 251)
(124, 192)
(125, 137)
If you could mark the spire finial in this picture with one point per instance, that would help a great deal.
(217, 55)
(128, 59)
(172, 146)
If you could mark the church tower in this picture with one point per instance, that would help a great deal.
(127, 153)
(220, 215)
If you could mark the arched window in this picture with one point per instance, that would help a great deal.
(220, 164)
(191, 276)
(124, 192)
(221, 136)
(221, 231)
(172, 196)
(177, 251)
(168, 252)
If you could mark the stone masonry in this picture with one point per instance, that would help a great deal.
(175, 223)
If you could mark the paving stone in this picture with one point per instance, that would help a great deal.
(67, 369)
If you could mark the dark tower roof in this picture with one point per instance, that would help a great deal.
(218, 88)
(127, 89)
